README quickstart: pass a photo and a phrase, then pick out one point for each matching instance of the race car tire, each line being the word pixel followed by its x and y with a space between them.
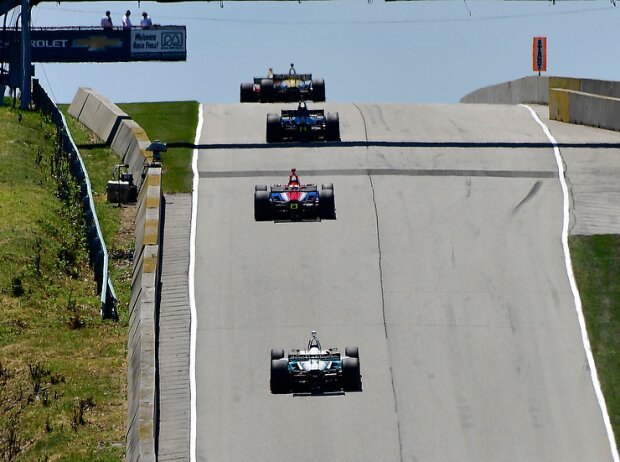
pixel 327 206
pixel 318 90
pixel 277 353
pixel 352 352
pixel 262 210
pixel 279 380
pixel 274 129
pixel 260 187
pixel 351 380
pixel 327 186
pixel 332 127
pixel 246 93
pixel 267 90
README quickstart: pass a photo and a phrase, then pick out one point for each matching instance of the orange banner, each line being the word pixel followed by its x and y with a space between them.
pixel 539 54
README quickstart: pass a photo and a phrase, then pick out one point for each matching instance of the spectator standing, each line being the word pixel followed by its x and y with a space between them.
pixel 106 21
pixel 146 22
pixel 126 20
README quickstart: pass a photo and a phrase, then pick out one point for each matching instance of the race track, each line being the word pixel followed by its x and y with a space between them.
pixel 445 266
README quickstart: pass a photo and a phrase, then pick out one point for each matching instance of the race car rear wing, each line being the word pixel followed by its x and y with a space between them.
pixel 278 188
pixel 280 77
pixel 310 112
pixel 292 76
pixel 307 357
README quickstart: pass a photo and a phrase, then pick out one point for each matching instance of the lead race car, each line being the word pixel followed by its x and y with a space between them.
pixel 294 201
pixel 282 88
pixel 315 370
pixel 303 124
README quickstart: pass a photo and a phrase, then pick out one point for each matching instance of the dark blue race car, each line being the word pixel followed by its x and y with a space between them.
pixel 303 124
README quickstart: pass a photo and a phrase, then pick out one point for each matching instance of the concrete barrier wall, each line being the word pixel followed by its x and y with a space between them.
pixel 581 101
pixel 600 87
pixel 558 105
pixel 98 113
pixel 129 141
pixel 76 106
pixel 584 108
pixel 533 89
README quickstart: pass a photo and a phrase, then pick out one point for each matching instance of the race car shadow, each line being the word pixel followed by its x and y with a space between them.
pixel 319 393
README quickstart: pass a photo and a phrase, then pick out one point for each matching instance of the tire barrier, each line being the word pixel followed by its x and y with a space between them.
pixel 96 244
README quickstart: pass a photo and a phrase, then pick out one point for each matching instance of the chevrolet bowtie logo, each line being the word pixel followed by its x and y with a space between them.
pixel 97 43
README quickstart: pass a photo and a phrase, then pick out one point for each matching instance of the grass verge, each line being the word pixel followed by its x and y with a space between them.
pixel 596 261
pixel 62 369
pixel 173 123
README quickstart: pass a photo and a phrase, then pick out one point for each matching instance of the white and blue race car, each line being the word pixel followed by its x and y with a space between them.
pixel 315 370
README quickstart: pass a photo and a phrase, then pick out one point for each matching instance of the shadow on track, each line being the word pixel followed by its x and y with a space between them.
pixel 395 144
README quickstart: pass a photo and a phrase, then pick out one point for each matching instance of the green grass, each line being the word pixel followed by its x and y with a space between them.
pixel 596 261
pixel 55 351
pixel 170 122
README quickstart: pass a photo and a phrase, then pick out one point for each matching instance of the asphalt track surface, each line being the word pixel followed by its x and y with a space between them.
pixel 445 266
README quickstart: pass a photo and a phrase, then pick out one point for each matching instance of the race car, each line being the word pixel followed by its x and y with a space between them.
pixel 303 124
pixel 294 201
pixel 315 370
pixel 282 88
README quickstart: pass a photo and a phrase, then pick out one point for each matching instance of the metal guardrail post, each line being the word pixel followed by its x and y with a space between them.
pixel 97 250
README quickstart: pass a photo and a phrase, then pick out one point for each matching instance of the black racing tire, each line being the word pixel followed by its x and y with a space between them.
pixel 280 381
pixel 318 90
pixel 327 204
pixel 327 186
pixel 246 93
pixel 274 128
pixel 262 207
pixel 332 127
pixel 352 352
pixel 267 91
pixel 260 187
pixel 277 353
pixel 351 379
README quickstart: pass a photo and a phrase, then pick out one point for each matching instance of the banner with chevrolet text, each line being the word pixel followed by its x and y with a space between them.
pixel 87 44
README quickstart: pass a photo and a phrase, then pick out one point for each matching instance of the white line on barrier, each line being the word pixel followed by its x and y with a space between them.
pixel 573 285
pixel 192 299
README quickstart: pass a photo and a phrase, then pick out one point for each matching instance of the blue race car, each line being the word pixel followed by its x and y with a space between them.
pixel 294 201
pixel 315 370
pixel 303 124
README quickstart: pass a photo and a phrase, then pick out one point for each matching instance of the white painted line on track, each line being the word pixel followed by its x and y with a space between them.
pixel 192 298
pixel 573 285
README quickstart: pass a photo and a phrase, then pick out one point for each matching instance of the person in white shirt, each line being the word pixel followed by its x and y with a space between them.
pixel 146 22
pixel 126 20
pixel 106 21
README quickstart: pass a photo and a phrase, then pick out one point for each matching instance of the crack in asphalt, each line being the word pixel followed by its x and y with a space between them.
pixel 374 202
pixel 363 120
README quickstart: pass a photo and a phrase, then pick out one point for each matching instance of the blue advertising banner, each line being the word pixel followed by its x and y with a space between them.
pixel 80 45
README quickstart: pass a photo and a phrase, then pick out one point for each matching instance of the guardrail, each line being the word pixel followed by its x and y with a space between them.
pixel 129 141
pixel 98 252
